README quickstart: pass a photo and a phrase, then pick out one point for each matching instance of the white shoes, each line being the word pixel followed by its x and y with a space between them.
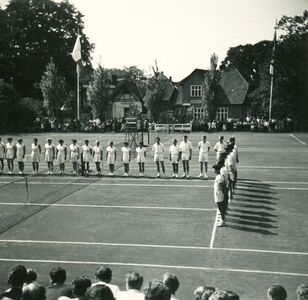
pixel 125 175
pixel 184 175
pixel 205 176
pixel 141 175
pixel 200 175
pixel 158 175
pixel 176 176
pixel 221 224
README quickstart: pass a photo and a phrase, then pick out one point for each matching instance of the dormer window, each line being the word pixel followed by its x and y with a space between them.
pixel 196 90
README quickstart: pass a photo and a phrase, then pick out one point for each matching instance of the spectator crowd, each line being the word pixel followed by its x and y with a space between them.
pixel 25 285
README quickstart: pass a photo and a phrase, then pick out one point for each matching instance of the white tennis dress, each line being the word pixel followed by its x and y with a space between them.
pixel 125 154
pixel 2 150
pixel 9 150
pixel 20 152
pixel 61 153
pixel 174 152
pixel 35 153
pixel 49 152
pixel 110 155
pixel 74 151
pixel 97 150
pixel 86 153
pixel 140 154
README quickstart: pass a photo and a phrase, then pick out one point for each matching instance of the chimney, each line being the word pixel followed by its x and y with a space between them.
pixel 170 78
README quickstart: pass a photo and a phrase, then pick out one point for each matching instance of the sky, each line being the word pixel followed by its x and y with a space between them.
pixel 180 34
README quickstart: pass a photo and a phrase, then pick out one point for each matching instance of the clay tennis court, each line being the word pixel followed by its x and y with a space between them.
pixel 156 225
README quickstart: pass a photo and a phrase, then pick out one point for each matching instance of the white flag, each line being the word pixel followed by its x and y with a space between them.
pixel 76 54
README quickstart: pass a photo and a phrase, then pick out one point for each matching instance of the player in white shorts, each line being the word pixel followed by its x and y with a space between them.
pixel 141 154
pixel 159 149
pixel 125 158
pixel 236 159
pixel 98 157
pixel 219 147
pixel 35 155
pixel 2 152
pixel 204 148
pixel 49 155
pixel 74 155
pixel 61 154
pixel 111 157
pixel 174 152
pixel 20 155
pixel 185 154
pixel 86 156
pixel 10 153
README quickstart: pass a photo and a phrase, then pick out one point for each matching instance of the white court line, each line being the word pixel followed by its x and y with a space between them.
pixel 299 140
pixel 151 266
pixel 106 206
pixel 137 185
pixel 150 246
pixel 214 231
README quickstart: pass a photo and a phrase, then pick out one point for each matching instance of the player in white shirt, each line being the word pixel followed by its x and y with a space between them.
pixel 174 152
pixel 86 156
pixel 185 154
pixel 133 291
pixel 219 147
pixel 98 157
pixel 49 155
pixel 125 158
pixel 20 155
pixel 236 159
pixel 74 155
pixel 2 153
pixel 159 149
pixel 204 148
pixel 141 154
pixel 35 155
pixel 10 153
pixel 111 157
pixel 61 154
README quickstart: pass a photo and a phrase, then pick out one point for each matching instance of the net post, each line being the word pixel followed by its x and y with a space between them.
pixel 27 190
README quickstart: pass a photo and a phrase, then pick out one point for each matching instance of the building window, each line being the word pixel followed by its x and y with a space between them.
pixel 196 90
pixel 221 113
pixel 198 113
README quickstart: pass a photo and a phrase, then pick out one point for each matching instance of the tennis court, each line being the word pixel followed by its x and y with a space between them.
pixel 154 225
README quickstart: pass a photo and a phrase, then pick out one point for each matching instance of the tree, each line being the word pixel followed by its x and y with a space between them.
pixel 35 31
pixel 54 91
pixel 154 96
pixel 98 94
pixel 210 84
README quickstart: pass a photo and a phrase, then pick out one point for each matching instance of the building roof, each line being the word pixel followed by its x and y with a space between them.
pixel 200 71
pixel 232 88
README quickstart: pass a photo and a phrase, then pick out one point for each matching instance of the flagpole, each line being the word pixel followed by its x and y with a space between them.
pixel 78 100
pixel 271 98
pixel 272 75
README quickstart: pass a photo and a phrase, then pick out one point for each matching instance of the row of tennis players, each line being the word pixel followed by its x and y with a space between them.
pixel 86 153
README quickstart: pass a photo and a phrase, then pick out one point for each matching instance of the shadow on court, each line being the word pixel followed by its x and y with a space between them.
pixel 246 214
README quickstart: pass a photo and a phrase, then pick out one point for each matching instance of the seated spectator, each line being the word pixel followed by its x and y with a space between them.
pixel 233 296
pixel 219 295
pixel 16 278
pixel 302 292
pixel 34 291
pixel 134 283
pixel 31 276
pixel 103 276
pixel 57 287
pixel 100 292
pixel 276 292
pixel 172 283
pixel 80 286
pixel 156 290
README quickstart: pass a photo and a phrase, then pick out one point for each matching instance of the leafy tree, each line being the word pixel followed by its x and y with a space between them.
pixel 54 91
pixel 35 31
pixel 98 94
pixel 154 96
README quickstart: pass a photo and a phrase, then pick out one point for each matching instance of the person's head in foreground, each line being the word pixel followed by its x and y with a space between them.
pixel 219 295
pixel 207 293
pixel 100 292
pixel 80 286
pixel 57 275
pixel 134 281
pixel 156 290
pixel 276 292
pixel 302 292
pixel 200 290
pixel 233 296
pixel 31 276
pixel 34 291
pixel 171 282
pixel 104 274
pixel 17 276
